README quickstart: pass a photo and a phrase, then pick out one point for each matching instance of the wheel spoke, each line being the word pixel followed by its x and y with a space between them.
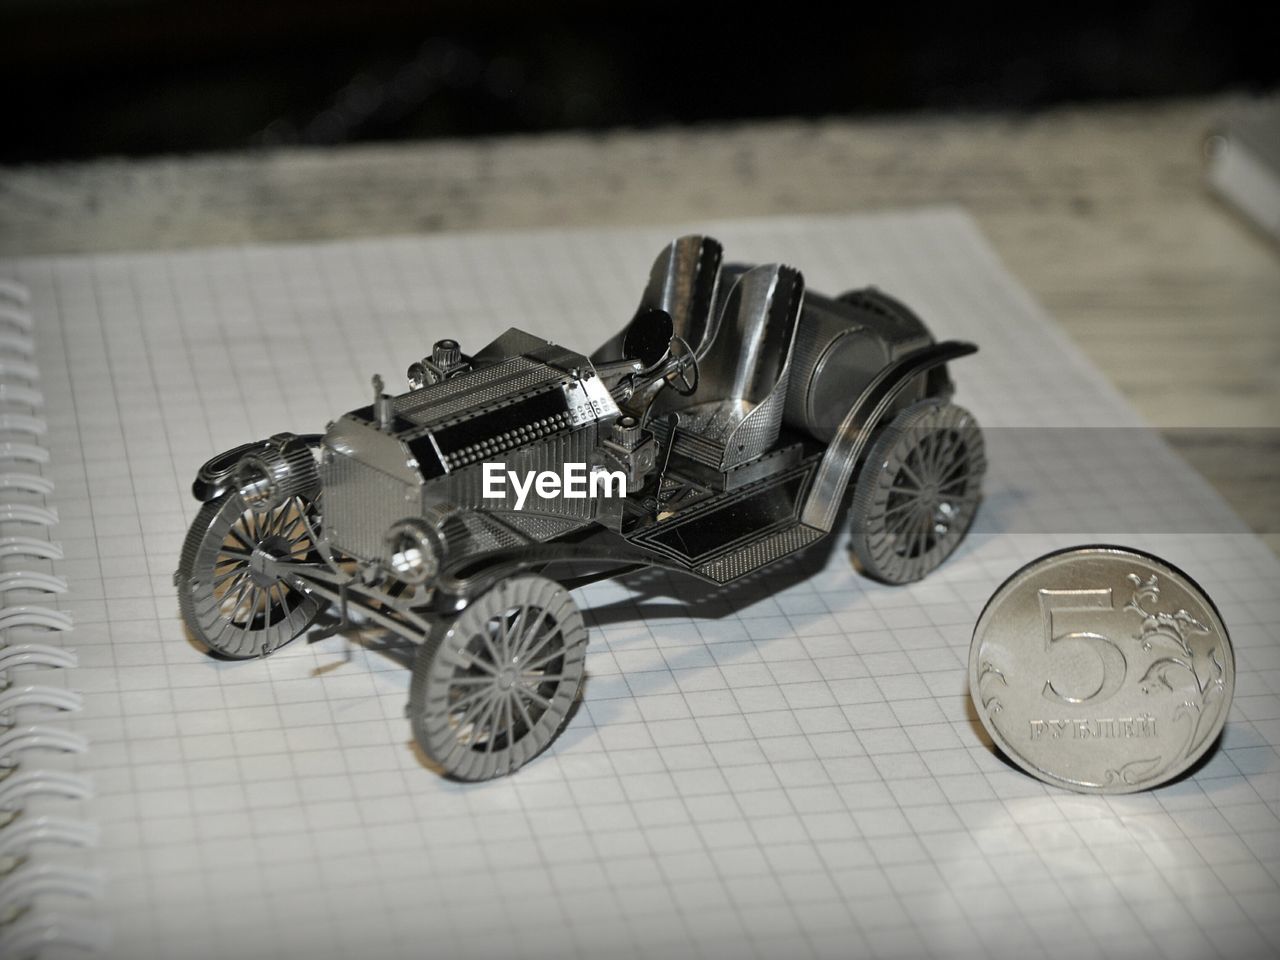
pixel 271 605
pixel 902 524
pixel 533 649
pixel 938 448
pixel 922 457
pixel 255 595
pixel 288 515
pixel 455 705
pixel 911 475
pixel 957 471
pixel 239 570
pixel 476 713
pixel 904 533
pixel 237 598
pixel 287 590
pixel 235 534
pixel 492 719
pixel 921 542
pixel 530 634
pixel 235 555
pixel 544 659
pixel 511 719
pixel 263 595
pixel 220 561
pixel 957 453
pixel 471 681
pixel 270 521
pixel 294 526
pixel 905 505
pixel 524 712
pixel 904 491
pixel 246 596
pixel 469 659
pixel 486 635
pixel 504 634
pixel 516 634
pixel 538 698
pixel 225 605
pixel 536 655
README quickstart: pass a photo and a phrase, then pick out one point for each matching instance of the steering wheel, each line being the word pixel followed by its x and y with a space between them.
pixel 684 378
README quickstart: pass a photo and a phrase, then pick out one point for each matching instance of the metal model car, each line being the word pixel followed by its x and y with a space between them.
pixel 739 409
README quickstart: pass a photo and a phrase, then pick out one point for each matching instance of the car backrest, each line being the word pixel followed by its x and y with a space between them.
pixel 743 371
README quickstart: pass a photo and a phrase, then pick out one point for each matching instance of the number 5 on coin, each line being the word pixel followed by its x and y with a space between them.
pixel 1113 663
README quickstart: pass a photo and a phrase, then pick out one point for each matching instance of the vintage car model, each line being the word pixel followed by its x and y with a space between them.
pixel 736 407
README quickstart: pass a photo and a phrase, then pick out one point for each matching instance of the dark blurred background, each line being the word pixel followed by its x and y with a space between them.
pixel 136 77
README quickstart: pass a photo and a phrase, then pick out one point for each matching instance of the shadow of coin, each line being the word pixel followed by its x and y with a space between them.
pixel 971 714
pixel 1196 767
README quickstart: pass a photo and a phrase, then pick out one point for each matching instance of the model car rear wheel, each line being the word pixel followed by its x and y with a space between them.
pixel 493 688
pixel 229 600
pixel 918 491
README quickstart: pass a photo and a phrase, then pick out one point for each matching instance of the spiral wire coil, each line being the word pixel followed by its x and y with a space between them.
pixel 46 890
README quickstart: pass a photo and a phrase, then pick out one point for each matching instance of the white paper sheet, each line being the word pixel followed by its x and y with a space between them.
pixel 790 768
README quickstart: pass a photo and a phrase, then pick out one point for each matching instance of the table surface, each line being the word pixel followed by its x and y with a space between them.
pixel 1101 212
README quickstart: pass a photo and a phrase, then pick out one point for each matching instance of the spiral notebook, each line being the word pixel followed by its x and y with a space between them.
pixel 787 770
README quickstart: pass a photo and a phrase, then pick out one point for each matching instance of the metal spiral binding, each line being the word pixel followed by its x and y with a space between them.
pixel 42 890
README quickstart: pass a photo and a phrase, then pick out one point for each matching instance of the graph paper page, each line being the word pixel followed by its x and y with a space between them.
pixel 786 768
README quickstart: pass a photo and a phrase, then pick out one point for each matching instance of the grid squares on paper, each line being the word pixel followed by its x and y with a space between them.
pixel 782 766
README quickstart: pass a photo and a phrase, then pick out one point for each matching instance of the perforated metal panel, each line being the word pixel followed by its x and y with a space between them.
pixel 757 432
pixel 756 555
pixel 465 487
pixel 539 526
pixel 471 390
pixel 360 503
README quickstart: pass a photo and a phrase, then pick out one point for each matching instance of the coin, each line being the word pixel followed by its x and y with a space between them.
pixel 1101 669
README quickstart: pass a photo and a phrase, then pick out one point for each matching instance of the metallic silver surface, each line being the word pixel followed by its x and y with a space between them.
pixel 438 401
pixel 1102 669
pixel 493 690
pixel 361 504
pixel 753 556
pixel 684 281
pixel 744 371
pixel 918 492
pixel 865 413
pixel 397 525
pixel 228 591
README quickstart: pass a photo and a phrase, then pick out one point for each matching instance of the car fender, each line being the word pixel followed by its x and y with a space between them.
pixel 859 424
pixel 214 477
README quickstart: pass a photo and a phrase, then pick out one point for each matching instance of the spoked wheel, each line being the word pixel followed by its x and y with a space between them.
pixel 492 689
pixel 229 601
pixel 918 491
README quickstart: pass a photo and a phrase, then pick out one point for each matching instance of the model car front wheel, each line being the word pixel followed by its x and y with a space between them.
pixel 493 688
pixel 918 491
pixel 229 598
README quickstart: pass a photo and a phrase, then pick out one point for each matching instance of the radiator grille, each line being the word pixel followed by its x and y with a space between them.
pixel 360 503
